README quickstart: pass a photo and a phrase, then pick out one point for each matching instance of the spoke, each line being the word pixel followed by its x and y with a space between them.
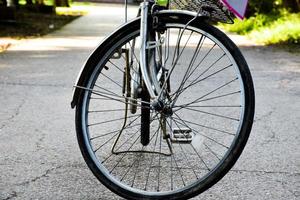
pixel 178 168
pixel 126 127
pixel 213 64
pixel 172 186
pixel 171 170
pixel 187 72
pixel 155 133
pixel 104 160
pixel 194 82
pixel 116 66
pixel 105 99
pixel 118 96
pixel 199 156
pixel 109 110
pixel 111 132
pixel 185 155
pixel 108 96
pixel 159 159
pixel 220 96
pixel 116 83
pixel 213 114
pixel 152 157
pixel 133 52
pixel 136 159
pixel 200 98
pixel 98 92
pixel 203 126
pixel 177 46
pixel 106 142
pixel 131 68
pixel 122 98
pixel 200 61
pixel 212 152
pixel 174 62
pixel 112 120
pixel 210 75
pixel 125 152
pixel 167 48
pixel 125 142
pixel 203 58
pixel 109 91
pixel 136 169
pixel 211 106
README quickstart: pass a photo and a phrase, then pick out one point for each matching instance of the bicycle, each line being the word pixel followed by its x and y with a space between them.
pixel 165 104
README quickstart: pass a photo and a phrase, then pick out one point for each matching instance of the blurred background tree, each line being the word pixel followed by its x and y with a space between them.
pixel 9 8
pixel 292 5
pixel 272 6
pixel 18 3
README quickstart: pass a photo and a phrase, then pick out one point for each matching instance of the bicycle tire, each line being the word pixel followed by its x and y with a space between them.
pixel 97 63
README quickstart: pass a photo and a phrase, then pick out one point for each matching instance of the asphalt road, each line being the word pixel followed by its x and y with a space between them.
pixel 39 155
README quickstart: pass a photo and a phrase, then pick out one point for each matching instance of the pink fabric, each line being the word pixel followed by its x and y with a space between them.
pixel 238 7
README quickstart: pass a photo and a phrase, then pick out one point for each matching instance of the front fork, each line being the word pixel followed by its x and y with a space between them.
pixel 149 72
pixel 149 79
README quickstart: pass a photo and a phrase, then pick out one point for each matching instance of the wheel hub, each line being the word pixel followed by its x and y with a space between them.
pixel 167 111
pixel 161 107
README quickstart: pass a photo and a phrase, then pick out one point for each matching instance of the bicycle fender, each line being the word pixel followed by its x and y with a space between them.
pixel 92 60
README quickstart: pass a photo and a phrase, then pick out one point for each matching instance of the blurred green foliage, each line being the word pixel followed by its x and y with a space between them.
pixel 270 22
pixel 285 29
pixel 17 3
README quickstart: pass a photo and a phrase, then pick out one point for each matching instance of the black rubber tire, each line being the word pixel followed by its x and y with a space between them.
pixel 215 175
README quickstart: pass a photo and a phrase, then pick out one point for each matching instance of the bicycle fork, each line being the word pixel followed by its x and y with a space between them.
pixel 151 46
pixel 150 79
pixel 143 35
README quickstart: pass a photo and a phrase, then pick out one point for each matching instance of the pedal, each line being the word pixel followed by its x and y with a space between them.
pixel 181 135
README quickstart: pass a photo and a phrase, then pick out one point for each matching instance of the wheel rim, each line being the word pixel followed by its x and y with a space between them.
pixel 152 169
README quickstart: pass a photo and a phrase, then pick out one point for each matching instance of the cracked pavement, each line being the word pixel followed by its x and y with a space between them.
pixel 39 155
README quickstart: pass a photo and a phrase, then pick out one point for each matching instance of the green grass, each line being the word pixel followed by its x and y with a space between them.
pixel 73 10
pixel 283 28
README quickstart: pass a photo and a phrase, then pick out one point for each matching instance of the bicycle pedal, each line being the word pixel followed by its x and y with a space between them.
pixel 181 135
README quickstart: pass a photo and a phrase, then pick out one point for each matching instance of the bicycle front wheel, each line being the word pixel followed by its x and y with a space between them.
pixel 192 145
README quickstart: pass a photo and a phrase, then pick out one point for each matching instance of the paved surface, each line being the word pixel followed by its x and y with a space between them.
pixel 39 155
